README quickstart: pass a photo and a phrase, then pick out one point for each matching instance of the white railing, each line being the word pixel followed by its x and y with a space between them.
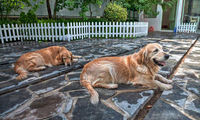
pixel 71 31
pixel 187 27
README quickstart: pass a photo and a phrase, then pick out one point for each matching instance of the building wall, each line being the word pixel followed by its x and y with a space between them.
pixel 155 22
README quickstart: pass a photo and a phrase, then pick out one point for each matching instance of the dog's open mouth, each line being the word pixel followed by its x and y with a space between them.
pixel 159 63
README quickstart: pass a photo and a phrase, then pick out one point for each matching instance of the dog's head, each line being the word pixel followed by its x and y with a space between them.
pixel 65 56
pixel 154 54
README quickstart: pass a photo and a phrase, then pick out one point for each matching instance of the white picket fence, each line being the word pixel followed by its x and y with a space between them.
pixel 187 27
pixel 70 31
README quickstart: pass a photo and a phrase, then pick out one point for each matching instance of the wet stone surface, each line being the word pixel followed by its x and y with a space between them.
pixel 132 102
pixel 176 95
pixel 48 85
pixel 163 111
pixel 11 101
pixel 56 93
pixel 40 108
pixel 71 86
pixel 193 86
pixel 84 110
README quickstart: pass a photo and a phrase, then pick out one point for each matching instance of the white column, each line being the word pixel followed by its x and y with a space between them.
pixel 179 12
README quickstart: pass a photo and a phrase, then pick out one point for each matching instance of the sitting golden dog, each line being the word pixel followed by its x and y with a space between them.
pixel 40 59
pixel 139 68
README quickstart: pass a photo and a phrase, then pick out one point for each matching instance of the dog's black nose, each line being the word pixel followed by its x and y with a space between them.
pixel 166 56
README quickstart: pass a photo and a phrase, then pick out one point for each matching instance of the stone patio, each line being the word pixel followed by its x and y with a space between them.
pixel 56 94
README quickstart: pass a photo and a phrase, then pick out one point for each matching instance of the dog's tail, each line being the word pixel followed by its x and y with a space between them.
pixel 21 71
pixel 93 93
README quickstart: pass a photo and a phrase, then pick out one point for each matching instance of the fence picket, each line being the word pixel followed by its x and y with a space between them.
pixel 106 30
pixel 95 29
pixel 45 31
pixel 88 29
pixel 99 29
pixel 113 29
pixel 1 35
pixel 13 32
pixel 52 32
pixel 92 29
pixel 9 33
pixel 63 29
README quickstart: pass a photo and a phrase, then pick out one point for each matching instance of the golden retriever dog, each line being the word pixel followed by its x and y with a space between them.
pixel 140 68
pixel 40 59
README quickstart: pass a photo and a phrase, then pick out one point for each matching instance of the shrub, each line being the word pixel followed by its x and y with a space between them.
pixel 22 17
pixel 114 12
pixel 30 17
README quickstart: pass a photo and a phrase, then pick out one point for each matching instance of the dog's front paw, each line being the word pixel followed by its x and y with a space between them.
pixel 167 87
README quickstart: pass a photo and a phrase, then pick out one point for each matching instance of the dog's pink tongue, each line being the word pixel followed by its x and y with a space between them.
pixel 162 63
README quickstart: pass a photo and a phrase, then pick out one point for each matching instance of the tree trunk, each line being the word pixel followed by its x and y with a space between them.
pixel 48 9
pixel 54 11
pixel 90 8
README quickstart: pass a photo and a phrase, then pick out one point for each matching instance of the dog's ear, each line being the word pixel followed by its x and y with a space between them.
pixel 143 55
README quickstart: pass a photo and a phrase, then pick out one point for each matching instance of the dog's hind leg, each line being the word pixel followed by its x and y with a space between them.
pixel 162 79
pixel 32 66
pixel 104 85
pixel 37 68
pixel 22 73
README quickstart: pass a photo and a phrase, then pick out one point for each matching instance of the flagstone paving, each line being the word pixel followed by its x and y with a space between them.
pixel 56 93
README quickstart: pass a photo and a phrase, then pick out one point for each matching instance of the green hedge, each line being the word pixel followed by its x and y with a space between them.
pixel 21 21
pixel 115 12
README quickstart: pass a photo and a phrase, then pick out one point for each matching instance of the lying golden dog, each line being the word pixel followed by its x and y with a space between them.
pixel 40 59
pixel 139 68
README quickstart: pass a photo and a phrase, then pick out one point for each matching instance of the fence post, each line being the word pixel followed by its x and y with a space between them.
pixel 49 37
pixel 56 32
pixel 84 29
pixel 29 31
pixel 109 29
pixel 131 31
pixel 17 30
pixel 120 29
pixel 72 30
pixel 117 31
pixel 35 28
pixel 1 35
pixel 106 30
pixel 89 30
pixel 52 30
pixel 32 35
pixel 81 29
pixel 95 29
pixel 9 32
pixel 59 32
pixel 5 32
pixel 45 31
pixel 124 29
pixel 13 31
pixel 42 30
pixel 63 29
pixel 92 29
pixel 113 29
pixel 102 29
pixel 76 27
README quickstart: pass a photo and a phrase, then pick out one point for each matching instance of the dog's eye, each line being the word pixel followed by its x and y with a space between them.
pixel 156 50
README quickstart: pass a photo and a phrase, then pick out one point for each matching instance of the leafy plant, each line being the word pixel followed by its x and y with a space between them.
pixel 6 6
pixel 30 17
pixel 114 12
pixel 85 6
pixel 148 6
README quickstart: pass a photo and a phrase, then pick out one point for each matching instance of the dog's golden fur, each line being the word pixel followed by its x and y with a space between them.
pixel 139 68
pixel 40 59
